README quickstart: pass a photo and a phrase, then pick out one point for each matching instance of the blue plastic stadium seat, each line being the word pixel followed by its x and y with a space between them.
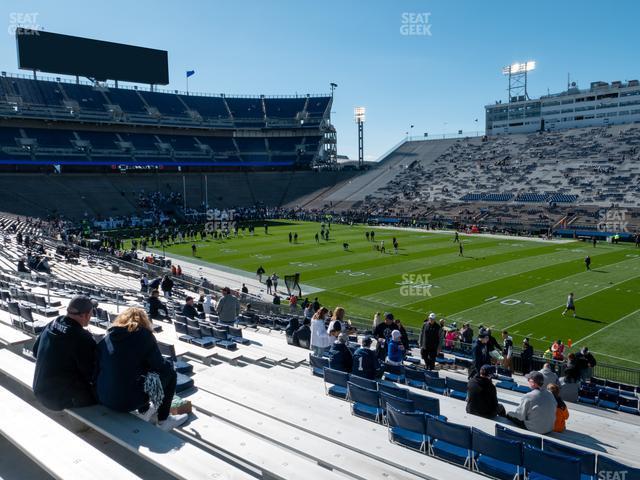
pixel 337 381
pixel 506 384
pixel 365 402
pixel 436 385
pixel 628 405
pixel 393 389
pixel 425 404
pixel 531 440
pixel 607 399
pixel 184 382
pixel 587 459
pixel 394 373
pixel 521 388
pixel 318 364
pixel 414 377
pixel 399 403
pixel 496 457
pixel 363 382
pixel 542 465
pixel 449 441
pixel 457 388
pixel 608 468
pixel 408 429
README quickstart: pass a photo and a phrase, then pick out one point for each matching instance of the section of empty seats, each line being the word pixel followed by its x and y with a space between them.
pixel 55 449
pixel 167 104
pixel 245 108
pixel 12 338
pixel 284 107
pixel 165 450
pixel 317 448
pixel 276 344
pixel 210 108
pixel 128 100
pixel 313 412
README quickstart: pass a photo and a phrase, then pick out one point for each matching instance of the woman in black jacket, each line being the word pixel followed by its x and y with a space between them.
pixel 131 371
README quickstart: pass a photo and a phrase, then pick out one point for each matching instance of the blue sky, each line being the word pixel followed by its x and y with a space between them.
pixel 438 82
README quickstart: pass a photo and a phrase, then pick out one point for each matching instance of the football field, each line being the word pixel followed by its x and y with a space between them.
pixel 513 284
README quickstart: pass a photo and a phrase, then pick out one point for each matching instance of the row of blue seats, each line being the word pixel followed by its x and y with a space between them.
pixel 52 138
pixel 46 93
pixel 414 421
pixel 609 398
pixel 506 455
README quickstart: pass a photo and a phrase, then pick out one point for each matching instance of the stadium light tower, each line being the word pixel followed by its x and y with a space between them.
pixel 359 115
pixel 517 73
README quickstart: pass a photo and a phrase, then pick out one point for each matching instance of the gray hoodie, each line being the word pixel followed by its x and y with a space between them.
pixel 538 410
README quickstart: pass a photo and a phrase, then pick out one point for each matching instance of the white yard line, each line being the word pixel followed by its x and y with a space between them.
pixel 607 326
pixel 564 279
pixel 471 235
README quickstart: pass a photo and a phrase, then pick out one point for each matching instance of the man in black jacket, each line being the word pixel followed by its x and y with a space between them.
pixel 482 398
pixel 302 336
pixel 65 359
pixel 189 310
pixel 155 305
pixel 429 341
pixel 480 353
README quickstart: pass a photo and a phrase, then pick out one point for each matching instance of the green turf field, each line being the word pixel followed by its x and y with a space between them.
pixel 515 284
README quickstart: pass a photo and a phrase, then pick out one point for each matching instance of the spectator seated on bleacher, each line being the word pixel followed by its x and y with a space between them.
pixel 188 310
pixel 340 357
pixel 537 409
pixel 228 307
pixel 549 375
pixel 132 374
pixel 365 361
pixel 562 412
pixel 156 305
pixel 292 326
pixel 65 359
pixel 21 266
pixel 482 398
pixel 302 336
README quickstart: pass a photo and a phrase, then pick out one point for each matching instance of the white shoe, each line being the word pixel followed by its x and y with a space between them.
pixel 173 421
pixel 147 416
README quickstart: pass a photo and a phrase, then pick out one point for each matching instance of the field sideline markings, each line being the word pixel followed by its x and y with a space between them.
pixel 607 326
pixel 563 279
pixel 613 356
pixel 543 285
pixel 564 304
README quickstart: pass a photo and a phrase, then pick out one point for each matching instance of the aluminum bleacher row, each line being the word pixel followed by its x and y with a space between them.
pixel 268 419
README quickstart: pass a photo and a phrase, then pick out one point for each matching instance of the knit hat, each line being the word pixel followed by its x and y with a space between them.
pixel 395 335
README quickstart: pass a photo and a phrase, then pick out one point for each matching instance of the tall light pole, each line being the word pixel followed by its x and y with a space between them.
pixel 359 114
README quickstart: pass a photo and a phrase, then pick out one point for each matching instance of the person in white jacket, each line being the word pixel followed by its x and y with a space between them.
pixel 320 338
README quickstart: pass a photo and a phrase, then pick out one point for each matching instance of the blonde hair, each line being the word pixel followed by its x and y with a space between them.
pixel 133 318
pixel 338 314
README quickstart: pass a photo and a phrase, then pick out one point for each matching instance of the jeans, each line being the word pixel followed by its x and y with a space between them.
pixel 429 357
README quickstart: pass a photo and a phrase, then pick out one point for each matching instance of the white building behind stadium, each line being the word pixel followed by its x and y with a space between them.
pixel 601 105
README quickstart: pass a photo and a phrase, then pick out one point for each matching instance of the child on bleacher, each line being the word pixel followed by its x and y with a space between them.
pixel 562 412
